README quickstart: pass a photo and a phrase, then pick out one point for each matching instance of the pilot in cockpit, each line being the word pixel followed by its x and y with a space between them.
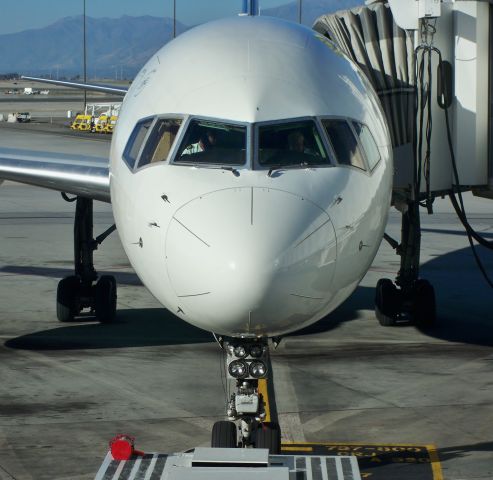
pixel 296 143
pixel 207 141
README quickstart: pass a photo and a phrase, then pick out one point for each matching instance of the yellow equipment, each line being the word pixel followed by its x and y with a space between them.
pixel 82 122
pixel 77 121
pixel 101 123
pixel 111 124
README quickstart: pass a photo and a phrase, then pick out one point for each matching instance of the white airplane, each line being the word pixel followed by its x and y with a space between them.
pixel 250 177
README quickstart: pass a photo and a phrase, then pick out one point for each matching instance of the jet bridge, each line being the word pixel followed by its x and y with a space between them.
pixel 430 62
pixel 382 37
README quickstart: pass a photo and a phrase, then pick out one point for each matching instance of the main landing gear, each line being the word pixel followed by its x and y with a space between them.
pixel 84 290
pixel 410 298
pixel 247 366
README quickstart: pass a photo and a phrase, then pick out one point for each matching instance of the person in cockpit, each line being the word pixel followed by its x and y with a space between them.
pixel 296 143
pixel 206 141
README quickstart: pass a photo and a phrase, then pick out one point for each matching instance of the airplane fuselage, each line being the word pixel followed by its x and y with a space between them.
pixel 255 247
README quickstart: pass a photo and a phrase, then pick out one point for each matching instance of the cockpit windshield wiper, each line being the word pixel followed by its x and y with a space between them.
pixel 233 170
pixel 275 168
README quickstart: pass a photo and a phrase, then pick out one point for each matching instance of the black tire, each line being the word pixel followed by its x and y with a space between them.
pixel 223 435
pixel 105 299
pixel 269 436
pixel 386 302
pixel 67 299
pixel 424 311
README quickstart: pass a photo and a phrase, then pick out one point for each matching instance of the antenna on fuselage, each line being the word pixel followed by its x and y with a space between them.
pixel 250 7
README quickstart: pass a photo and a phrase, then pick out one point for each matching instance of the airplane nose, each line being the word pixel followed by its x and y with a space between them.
pixel 251 260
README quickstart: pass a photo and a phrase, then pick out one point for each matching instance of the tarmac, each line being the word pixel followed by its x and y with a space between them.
pixel 66 390
pixel 53 107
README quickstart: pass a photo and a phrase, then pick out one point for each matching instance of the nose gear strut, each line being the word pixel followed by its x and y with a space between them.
pixel 247 362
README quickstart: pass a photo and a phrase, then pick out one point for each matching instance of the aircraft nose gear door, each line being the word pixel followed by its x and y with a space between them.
pixel 247 363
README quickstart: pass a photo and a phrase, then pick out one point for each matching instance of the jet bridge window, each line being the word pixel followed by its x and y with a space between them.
pixel 291 144
pixel 213 143
pixel 135 142
pixel 344 142
pixel 160 141
pixel 368 144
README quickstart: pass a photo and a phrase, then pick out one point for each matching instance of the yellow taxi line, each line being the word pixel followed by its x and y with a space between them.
pixel 263 390
pixel 436 466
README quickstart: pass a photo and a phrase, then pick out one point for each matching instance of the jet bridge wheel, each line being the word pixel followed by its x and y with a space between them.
pixel 105 299
pixel 387 302
pixel 224 435
pixel 424 305
pixel 269 436
pixel 67 298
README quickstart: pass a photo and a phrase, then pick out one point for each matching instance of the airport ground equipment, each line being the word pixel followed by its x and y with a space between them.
pixel 19 117
pixel 101 123
pixel 77 120
pixel 95 110
pixel 431 64
pixel 97 117
pixel 229 463
pixel 82 123
pixel 85 289
pixel 103 116
pixel 110 126
pixel 23 117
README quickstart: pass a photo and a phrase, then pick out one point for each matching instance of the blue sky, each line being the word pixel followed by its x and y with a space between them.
pixel 18 15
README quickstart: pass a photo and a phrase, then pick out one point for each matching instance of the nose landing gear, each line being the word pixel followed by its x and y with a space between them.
pixel 247 365
pixel 84 289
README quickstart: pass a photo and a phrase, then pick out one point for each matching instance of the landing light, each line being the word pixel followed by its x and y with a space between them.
pixel 240 351
pixel 238 369
pixel 256 351
pixel 258 369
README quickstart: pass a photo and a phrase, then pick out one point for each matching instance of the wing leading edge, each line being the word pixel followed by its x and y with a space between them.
pixel 81 86
pixel 81 175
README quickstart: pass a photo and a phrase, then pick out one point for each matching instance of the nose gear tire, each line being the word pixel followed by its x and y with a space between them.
pixel 224 435
pixel 269 436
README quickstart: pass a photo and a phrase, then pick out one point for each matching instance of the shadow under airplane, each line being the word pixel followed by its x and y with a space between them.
pixel 464 305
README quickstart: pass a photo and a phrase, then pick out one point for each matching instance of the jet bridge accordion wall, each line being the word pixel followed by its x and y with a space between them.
pixel 371 38
pixel 385 52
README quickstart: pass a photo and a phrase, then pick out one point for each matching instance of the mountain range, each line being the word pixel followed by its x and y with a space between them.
pixel 116 47
pixel 113 45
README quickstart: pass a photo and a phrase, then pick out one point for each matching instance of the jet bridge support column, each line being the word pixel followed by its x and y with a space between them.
pixel 409 249
pixel 410 298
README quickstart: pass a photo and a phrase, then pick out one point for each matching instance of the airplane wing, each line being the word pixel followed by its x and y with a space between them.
pixel 81 175
pixel 82 86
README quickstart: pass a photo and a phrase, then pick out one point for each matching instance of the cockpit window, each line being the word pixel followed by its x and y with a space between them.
pixel 344 143
pixel 368 144
pixel 291 143
pixel 135 142
pixel 213 143
pixel 160 141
